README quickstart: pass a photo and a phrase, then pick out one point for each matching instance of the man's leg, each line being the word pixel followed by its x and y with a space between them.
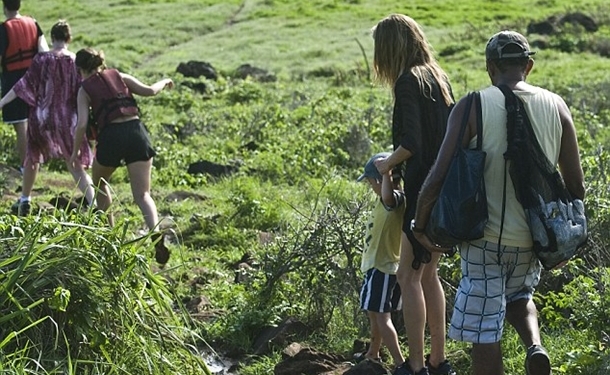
pixel 487 359
pixel 523 315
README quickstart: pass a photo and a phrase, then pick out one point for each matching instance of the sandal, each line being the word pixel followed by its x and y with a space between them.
pixel 537 361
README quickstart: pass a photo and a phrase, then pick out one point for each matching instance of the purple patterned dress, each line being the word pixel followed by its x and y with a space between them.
pixel 50 87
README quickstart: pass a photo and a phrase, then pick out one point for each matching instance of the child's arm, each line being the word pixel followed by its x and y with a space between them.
pixel 387 190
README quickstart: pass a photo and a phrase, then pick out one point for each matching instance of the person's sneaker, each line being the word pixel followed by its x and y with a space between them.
pixel 24 208
pixel 443 368
pixel 161 251
pixel 537 361
pixel 15 207
pixel 405 369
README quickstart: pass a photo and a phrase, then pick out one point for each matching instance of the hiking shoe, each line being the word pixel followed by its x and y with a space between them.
pixel 537 361
pixel 24 208
pixel 15 207
pixel 405 369
pixel 161 251
pixel 444 368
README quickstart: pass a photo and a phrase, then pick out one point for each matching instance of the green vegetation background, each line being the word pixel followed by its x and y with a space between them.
pixel 292 210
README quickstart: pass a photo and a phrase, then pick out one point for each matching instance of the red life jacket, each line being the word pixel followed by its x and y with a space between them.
pixel 110 97
pixel 22 36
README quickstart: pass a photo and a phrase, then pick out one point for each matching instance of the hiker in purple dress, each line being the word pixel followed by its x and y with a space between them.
pixel 49 87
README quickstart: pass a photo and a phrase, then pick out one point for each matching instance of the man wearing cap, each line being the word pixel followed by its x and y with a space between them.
pixel 499 273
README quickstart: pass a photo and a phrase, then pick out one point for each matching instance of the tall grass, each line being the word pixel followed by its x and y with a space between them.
pixel 79 298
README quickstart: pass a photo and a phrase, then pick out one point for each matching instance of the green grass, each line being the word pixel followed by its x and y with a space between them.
pixel 313 128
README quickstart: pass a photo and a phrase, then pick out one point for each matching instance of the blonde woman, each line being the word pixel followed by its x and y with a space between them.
pixel 422 101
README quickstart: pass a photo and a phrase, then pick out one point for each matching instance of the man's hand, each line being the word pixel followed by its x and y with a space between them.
pixel 426 242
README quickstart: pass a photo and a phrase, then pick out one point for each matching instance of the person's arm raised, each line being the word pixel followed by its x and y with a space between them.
pixel 142 89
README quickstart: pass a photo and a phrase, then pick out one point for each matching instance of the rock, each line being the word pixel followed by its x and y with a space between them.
pixel 367 368
pixel 261 75
pixel 299 359
pixel 578 18
pixel 181 195
pixel 213 169
pixel 196 69
pixel 290 329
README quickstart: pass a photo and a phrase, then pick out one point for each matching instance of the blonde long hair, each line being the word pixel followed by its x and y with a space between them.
pixel 401 46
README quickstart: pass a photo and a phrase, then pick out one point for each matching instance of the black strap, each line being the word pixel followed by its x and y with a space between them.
pixel 469 100
pixel 464 123
pixel 479 121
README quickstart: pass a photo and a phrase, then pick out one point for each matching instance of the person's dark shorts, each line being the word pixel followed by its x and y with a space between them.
pixel 17 110
pixel 380 292
pixel 125 142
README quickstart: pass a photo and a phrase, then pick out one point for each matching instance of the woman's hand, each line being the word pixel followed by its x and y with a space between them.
pixel 168 83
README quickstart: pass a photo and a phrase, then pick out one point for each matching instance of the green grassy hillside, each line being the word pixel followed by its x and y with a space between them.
pixel 281 236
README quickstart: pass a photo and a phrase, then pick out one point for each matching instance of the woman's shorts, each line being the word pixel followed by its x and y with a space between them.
pixel 380 292
pixel 489 281
pixel 124 142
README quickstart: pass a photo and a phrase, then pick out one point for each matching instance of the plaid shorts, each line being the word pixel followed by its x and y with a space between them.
pixel 380 292
pixel 490 280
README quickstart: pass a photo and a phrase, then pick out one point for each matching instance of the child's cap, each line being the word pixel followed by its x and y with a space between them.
pixel 370 170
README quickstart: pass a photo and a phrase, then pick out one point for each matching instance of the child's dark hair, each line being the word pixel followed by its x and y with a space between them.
pixel 89 59
pixel 12 5
pixel 61 31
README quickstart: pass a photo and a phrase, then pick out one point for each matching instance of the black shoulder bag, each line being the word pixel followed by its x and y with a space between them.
pixel 556 220
pixel 460 212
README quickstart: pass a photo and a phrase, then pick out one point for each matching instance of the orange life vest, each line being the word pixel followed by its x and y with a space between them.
pixel 22 36
pixel 110 97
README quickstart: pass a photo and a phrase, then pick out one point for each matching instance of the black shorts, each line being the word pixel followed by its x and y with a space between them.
pixel 124 142
pixel 17 110
pixel 380 292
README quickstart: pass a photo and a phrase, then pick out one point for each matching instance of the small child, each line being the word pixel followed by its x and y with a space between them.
pixel 380 292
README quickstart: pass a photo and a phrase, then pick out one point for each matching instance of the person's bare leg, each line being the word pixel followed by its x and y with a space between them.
pixel 523 315
pixel 84 181
pixel 409 280
pixel 21 129
pixel 487 359
pixel 375 344
pixel 388 335
pixel 30 171
pixel 436 309
pixel 101 176
pixel 139 178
